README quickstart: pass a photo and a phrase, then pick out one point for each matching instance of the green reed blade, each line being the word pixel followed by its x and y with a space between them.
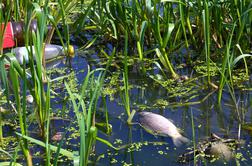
pixel 125 76
pixel 170 28
pixel 107 143
pixel 4 79
pixel 142 33
pixel 16 90
pixel 225 66
pixel 183 21
pixel 80 22
pixel 193 138
pixel 83 146
pixel 52 147
pixel 237 59
pixel 64 23
pixel 206 24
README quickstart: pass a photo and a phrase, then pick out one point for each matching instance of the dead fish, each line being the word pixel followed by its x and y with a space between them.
pixel 159 125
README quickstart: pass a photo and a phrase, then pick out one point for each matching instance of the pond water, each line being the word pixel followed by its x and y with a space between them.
pixel 146 94
pixel 149 95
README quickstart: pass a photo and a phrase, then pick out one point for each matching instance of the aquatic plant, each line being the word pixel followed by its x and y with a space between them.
pixel 193 139
pixel 4 17
pixel 34 42
pixel 86 117
pixel 125 98
pixel 21 109
pixel 151 30
pixel 206 22
pixel 3 83
pixel 167 27
pixel 230 60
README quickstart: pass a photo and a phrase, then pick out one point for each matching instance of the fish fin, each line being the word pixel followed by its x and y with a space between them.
pixel 178 141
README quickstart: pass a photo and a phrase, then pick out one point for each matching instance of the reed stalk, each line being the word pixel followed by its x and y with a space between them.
pixel 91 90
pixel 183 22
pixel 206 23
pixel 38 74
pixel 193 139
pixel 5 83
pixel 21 109
pixel 1 129
pixel 4 17
pixel 163 40
pixel 126 100
pixel 86 118
pixel 61 13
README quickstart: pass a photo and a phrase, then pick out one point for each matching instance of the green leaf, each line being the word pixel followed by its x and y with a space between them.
pixel 52 147
pixel 7 163
pixel 172 1
pixel 106 143
pixel 142 32
pixel 237 59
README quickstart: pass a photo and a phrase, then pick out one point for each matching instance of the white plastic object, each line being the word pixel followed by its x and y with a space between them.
pixel 51 51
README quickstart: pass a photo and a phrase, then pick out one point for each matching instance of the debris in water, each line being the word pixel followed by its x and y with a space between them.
pixel 58 136
pixel 29 99
pixel 213 147
pixel 221 151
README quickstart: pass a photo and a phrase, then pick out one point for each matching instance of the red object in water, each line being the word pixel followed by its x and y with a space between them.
pixel 13 35
pixel 8 38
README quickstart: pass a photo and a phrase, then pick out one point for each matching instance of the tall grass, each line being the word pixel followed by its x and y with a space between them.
pixel 207 32
pixel 86 117
pixel 38 72
pixel 85 107
pixel 160 26
pixel 4 17
pixel 230 59
pixel 36 86
pixel 21 109
pixel 163 37
pixel 125 98
pixel 5 84
pixel 34 42
pixel 63 11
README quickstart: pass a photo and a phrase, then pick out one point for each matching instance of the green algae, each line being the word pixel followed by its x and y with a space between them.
pixel 201 69
pixel 161 103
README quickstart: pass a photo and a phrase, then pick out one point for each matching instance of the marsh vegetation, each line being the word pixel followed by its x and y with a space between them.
pixel 189 61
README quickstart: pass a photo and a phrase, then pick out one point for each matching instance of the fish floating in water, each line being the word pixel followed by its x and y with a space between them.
pixel 159 125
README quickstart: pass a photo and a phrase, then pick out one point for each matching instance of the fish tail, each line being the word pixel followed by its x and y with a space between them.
pixel 178 141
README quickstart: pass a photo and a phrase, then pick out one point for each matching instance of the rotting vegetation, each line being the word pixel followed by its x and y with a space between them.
pixel 158 39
